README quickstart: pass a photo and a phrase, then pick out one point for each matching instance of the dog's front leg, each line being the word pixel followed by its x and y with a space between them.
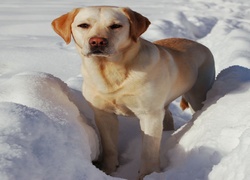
pixel 151 125
pixel 107 124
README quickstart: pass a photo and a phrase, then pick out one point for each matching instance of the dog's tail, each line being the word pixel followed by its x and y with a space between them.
pixel 184 104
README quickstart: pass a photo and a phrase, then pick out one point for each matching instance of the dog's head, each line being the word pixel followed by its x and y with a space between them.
pixel 101 31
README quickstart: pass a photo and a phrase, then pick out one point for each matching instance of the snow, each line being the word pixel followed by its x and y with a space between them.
pixel 41 129
pixel 216 134
pixel 47 129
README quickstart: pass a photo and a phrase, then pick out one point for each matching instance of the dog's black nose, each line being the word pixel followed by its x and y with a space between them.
pixel 98 42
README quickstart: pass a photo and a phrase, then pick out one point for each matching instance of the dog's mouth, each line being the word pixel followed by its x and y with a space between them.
pixel 99 52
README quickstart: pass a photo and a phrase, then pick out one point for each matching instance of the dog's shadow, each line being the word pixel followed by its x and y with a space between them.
pixel 232 80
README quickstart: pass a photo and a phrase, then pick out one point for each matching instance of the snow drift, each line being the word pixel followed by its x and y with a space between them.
pixel 42 133
pixel 216 136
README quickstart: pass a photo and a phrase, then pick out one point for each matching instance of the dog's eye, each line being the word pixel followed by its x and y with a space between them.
pixel 84 26
pixel 115 26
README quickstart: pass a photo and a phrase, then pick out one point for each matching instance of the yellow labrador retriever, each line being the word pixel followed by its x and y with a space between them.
pixel 127 75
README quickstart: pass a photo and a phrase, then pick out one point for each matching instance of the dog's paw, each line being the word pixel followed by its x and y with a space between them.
pixel 108 164
pixel 141 175
pixel 146 170
pixel 109 168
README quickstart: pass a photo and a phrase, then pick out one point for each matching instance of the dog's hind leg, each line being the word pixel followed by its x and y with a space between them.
pixel 168 122
pixel 197 94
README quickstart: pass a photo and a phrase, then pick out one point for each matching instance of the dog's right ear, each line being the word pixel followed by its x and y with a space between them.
pixel 62 25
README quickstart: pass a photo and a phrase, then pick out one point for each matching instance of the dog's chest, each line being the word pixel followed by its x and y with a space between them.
pixel 111 105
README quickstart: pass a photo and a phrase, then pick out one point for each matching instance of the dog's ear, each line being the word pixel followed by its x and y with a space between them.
pixel 138 23
pixel 62 25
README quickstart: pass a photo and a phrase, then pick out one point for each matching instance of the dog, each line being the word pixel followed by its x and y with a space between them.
pixel 125 74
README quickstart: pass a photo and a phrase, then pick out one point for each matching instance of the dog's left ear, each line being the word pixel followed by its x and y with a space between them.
pixel 138 23
pixel 62 25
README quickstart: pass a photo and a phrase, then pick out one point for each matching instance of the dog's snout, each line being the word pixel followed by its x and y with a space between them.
pixel 98 42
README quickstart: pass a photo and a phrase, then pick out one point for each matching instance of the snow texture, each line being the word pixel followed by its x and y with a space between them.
pixel 47 129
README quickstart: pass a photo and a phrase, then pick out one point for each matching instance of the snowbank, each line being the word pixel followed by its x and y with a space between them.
pixel 216 139
pixel 42 133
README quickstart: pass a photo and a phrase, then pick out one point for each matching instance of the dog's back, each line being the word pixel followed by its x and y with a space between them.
pixel 203 62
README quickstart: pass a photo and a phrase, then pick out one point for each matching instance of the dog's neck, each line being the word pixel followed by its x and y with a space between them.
pixel 108 74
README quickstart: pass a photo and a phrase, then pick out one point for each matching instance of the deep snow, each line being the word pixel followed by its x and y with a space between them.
pixel 47 129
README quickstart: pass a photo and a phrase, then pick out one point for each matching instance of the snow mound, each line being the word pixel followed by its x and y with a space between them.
pixel 42 132
pixel 178 25
pixel 216 136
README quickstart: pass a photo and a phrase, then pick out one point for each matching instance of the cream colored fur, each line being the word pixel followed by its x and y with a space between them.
pixel 127 75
